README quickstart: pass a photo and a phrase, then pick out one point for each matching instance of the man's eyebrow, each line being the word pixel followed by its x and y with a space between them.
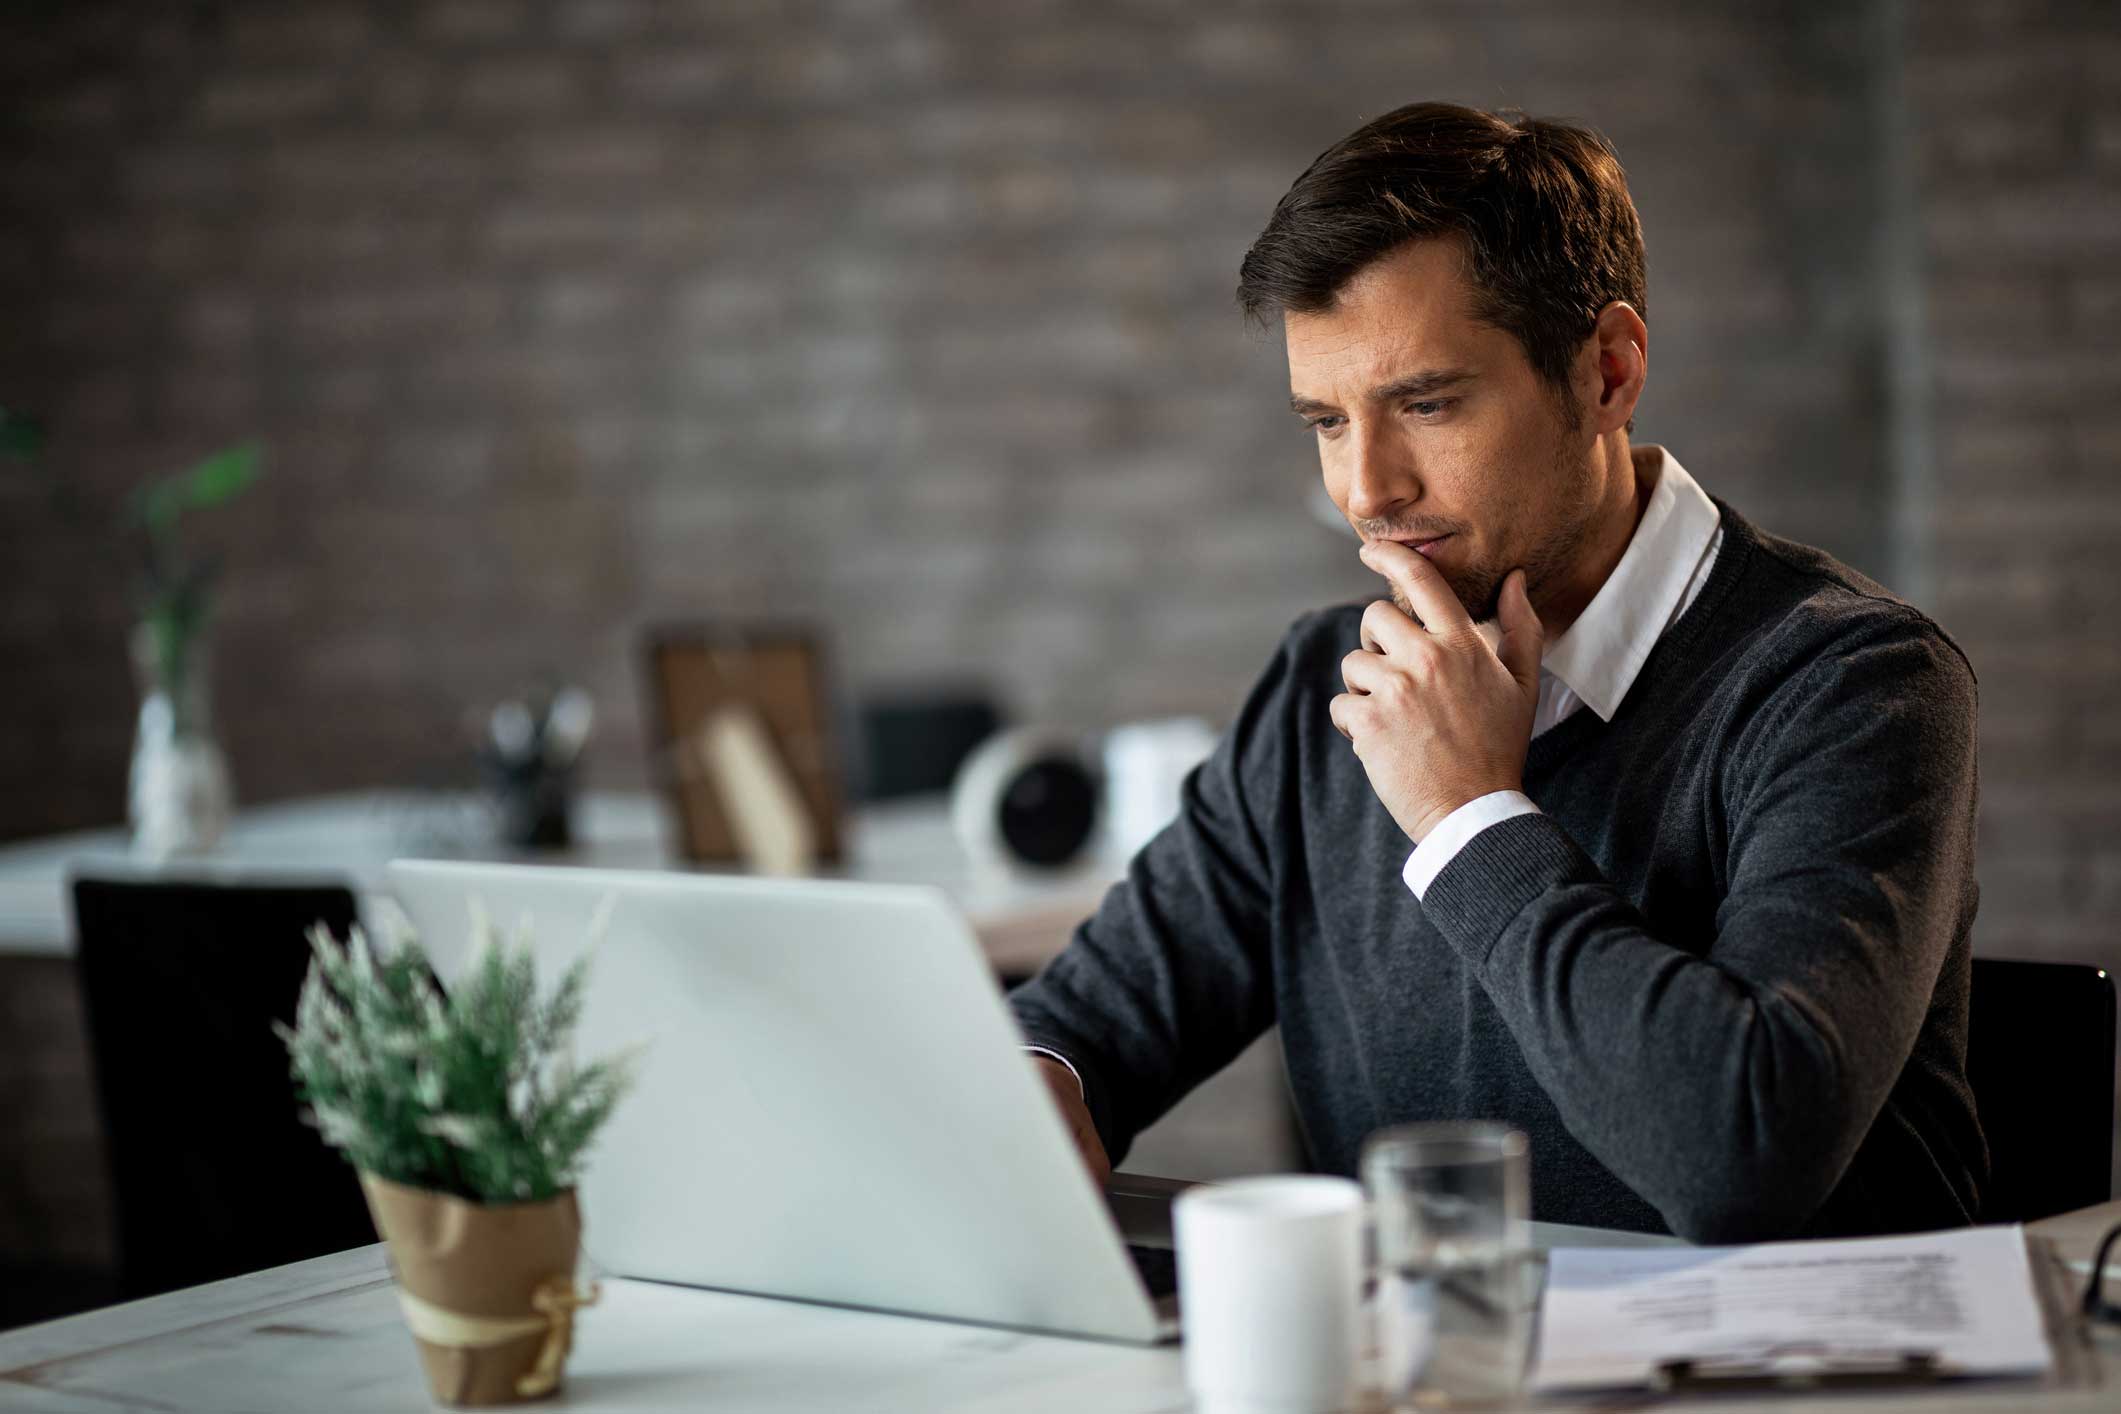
pixel 1414 385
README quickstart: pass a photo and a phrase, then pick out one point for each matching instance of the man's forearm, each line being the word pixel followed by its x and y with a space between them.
pixel 1729 1086
pixel 1114 1005
pixel 1171 978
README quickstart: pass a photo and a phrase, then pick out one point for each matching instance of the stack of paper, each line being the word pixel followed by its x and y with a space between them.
pixel 1965 1299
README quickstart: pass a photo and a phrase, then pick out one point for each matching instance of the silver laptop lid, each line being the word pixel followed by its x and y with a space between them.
pixel 832 1105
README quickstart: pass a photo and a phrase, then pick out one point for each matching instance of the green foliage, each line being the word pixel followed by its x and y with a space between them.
pixel 20 437
pixel 178 593
pixel 219 478
pixel 474 1094
pixel 180 589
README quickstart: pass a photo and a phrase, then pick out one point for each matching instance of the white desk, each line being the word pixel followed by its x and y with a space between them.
pixel 1022 919
pixel 326 1335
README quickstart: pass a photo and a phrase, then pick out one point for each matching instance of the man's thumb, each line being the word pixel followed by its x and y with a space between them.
pixel 1522 635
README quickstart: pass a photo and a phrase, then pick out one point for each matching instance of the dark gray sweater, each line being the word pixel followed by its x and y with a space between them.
pixel 1721 981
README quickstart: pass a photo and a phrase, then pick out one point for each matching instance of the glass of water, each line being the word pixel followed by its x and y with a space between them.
pixel 1455 1281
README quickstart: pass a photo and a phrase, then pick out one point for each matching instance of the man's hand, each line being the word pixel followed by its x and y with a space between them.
pixel 1068 1096
pixel 1436 716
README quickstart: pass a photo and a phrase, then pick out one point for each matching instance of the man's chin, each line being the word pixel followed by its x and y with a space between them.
pixel 1482 601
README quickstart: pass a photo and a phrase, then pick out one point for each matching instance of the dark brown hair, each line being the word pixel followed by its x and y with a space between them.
pixel 1550 232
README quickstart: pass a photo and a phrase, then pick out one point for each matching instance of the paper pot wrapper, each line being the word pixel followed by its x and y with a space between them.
pixel 487 1289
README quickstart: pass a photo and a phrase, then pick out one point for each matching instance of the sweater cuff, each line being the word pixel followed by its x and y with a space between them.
pixel 1476 896
pixel 1442 844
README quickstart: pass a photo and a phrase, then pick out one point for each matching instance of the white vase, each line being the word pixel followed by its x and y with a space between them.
pixel 178 798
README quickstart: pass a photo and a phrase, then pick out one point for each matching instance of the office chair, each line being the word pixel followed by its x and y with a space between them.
pixel 212 1169
pixel 2040 1059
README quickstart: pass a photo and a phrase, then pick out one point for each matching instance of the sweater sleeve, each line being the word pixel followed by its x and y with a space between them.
pixel 1171 977
pixel 1729 1080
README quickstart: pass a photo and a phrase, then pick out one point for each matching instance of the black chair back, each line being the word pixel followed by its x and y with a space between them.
pixel 2040 1059
pixel 213 1171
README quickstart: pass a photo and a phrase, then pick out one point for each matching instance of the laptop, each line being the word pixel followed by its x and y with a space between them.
pixel 832 1104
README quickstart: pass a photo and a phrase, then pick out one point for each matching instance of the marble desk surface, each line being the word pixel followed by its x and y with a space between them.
pixel 326 1335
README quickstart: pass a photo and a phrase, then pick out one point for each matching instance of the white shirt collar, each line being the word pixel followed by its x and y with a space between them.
pixel 1601 654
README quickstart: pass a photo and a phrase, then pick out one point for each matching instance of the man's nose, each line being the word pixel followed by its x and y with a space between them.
pixel 1381 479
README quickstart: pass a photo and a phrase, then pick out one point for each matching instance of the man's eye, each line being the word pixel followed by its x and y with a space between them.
pixel 1429 408
pixel 1329 423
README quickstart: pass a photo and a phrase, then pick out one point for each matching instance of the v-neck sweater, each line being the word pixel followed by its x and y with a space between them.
pixel 1720 979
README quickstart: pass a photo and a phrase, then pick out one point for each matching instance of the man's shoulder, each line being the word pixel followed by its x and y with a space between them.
pixel 1799 610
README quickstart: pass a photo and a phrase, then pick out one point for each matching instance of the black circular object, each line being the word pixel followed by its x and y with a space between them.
pixel 1047 811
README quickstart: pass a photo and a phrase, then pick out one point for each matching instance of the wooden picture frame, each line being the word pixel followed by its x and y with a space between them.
pixel 693 671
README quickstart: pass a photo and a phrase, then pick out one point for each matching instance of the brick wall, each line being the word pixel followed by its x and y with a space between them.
pixel 559 319
pixel 2014 164
pixel 2017 165
pixel 912 318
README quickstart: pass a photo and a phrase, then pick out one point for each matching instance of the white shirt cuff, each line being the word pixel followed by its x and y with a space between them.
pixel 1441 845
pixel 1056 1055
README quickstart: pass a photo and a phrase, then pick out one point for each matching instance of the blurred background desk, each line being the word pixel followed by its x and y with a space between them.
pixel 56 1243
pixel 1021 919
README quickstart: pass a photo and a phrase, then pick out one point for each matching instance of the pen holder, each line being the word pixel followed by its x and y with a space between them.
pixel 532 802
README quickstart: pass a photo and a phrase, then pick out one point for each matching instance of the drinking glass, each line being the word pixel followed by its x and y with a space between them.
pixel 1451 1204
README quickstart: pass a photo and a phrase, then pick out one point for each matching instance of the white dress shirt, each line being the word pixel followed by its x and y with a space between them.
pixel 1596 661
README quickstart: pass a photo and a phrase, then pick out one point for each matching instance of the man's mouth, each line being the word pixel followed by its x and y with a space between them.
pixel 1424 545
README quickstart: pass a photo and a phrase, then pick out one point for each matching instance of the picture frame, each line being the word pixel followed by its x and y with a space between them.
pixel 692 672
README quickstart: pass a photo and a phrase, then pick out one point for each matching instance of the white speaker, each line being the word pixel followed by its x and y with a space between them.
pixel 1025 798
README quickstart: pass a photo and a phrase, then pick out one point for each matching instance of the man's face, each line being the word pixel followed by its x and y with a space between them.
pixel 1433 429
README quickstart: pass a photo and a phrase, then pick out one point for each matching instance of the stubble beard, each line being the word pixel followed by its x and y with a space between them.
pixel 1478 587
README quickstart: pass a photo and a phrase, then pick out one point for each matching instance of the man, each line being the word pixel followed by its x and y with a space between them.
pixel 1623 820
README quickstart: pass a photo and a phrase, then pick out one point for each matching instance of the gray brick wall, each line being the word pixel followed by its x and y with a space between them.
pixel 2019 182
pixel 915 319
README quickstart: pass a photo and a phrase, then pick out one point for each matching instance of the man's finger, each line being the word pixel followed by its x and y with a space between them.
pixel 1422 583
pixel 1523 636
pixel 1387 630
pixel 1363 672
pixel 1338 711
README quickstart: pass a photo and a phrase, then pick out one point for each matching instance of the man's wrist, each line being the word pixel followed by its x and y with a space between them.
pixel 1065 1064
pixel 1432 819
pixel 1440 844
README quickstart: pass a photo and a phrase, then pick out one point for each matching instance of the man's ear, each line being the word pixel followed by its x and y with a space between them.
pixel 1619 350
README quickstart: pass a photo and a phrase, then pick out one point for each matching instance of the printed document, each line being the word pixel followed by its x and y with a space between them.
pixel 1611 1316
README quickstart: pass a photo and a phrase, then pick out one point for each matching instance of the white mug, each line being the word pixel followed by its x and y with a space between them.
pixel 1270 1289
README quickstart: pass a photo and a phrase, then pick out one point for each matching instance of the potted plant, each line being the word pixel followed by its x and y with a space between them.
pixel 467 1122
pixel 178 796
